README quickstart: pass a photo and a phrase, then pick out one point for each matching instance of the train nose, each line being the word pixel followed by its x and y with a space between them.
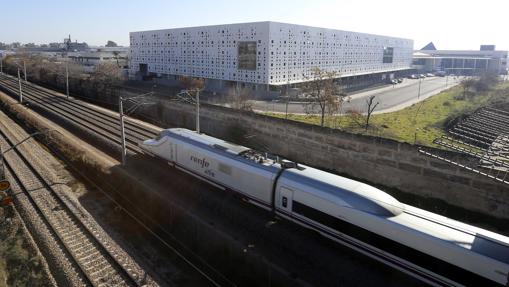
pixel 147 142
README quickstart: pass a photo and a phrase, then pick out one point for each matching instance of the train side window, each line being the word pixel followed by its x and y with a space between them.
pixel 284 202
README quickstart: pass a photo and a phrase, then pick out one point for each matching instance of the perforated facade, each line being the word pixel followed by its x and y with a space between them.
pixel 267 53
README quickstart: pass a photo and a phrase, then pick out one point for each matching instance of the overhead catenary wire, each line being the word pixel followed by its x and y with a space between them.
pixel 224 281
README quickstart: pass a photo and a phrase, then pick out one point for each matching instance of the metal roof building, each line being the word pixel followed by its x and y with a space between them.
pixel 461 62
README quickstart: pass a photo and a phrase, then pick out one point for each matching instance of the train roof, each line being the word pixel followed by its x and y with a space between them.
pixel 356 194
pixel 207 140
pixel 480 241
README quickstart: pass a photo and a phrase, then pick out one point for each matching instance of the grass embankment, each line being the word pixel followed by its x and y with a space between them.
pixel 421 122
pixel 19 263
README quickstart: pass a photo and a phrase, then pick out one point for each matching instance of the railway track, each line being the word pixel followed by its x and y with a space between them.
pixel 83 246
pixel 106 125
pixel 101 123
pixel 46 98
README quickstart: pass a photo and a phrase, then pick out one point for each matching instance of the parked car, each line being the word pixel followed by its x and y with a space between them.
pixel 430 75
pixel 400 80
pixel 422 76
pixel 440 74
pixel 413 76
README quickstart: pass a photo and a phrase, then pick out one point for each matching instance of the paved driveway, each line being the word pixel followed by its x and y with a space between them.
pixel 391 98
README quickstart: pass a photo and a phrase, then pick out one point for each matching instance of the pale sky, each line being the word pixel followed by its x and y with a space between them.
pixel 450 24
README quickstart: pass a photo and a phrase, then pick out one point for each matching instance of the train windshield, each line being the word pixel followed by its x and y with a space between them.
pixel 162 134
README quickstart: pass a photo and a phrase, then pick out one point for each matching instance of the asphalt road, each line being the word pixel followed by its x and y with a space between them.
pixel 390 98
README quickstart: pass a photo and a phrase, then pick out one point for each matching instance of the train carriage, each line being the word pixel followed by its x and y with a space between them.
pixel 433 248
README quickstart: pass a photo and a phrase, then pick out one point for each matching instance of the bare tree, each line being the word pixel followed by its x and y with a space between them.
pixel 370 109
pixel 322 91
pixel 115 55
pixel 105 78
pixel 192 84
pixel 238 98
pixel 467 84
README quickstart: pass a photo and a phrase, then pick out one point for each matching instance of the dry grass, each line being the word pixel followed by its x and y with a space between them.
pixel 420 123
pixel 19 263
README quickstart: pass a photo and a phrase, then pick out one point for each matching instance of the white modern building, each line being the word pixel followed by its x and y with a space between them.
pixel 266 54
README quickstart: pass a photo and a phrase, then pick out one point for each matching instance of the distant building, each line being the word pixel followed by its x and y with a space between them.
pixel 4 53
pixel 95 55
pixel 266 55
pixel 461 62
pixel 71 46
pixel 80 53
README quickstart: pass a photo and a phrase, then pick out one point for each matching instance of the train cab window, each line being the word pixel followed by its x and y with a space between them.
pixel 284 202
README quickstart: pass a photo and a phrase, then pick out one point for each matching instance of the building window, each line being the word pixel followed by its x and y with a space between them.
pixel 246 56
pixel 388 55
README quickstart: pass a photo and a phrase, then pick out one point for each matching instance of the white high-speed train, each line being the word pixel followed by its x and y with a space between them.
pixel 437 250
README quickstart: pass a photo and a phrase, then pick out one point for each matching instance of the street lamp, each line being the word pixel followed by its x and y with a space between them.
pixel 136 105
pixel 2 152
pixel 415 135
pixel 23 140
pixel 419 91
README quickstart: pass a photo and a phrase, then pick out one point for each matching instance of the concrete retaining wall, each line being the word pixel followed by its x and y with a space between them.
pixel 381 161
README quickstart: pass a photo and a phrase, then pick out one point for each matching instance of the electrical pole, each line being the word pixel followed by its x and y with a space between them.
pixel 121 113
pixel 25 70
pixel 197 110
pixel 122 130
pixel 67 78
pixel 20 91
pixel 2 65
pixel 287 99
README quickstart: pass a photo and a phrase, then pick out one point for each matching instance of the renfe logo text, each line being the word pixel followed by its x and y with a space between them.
pixel 201 161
